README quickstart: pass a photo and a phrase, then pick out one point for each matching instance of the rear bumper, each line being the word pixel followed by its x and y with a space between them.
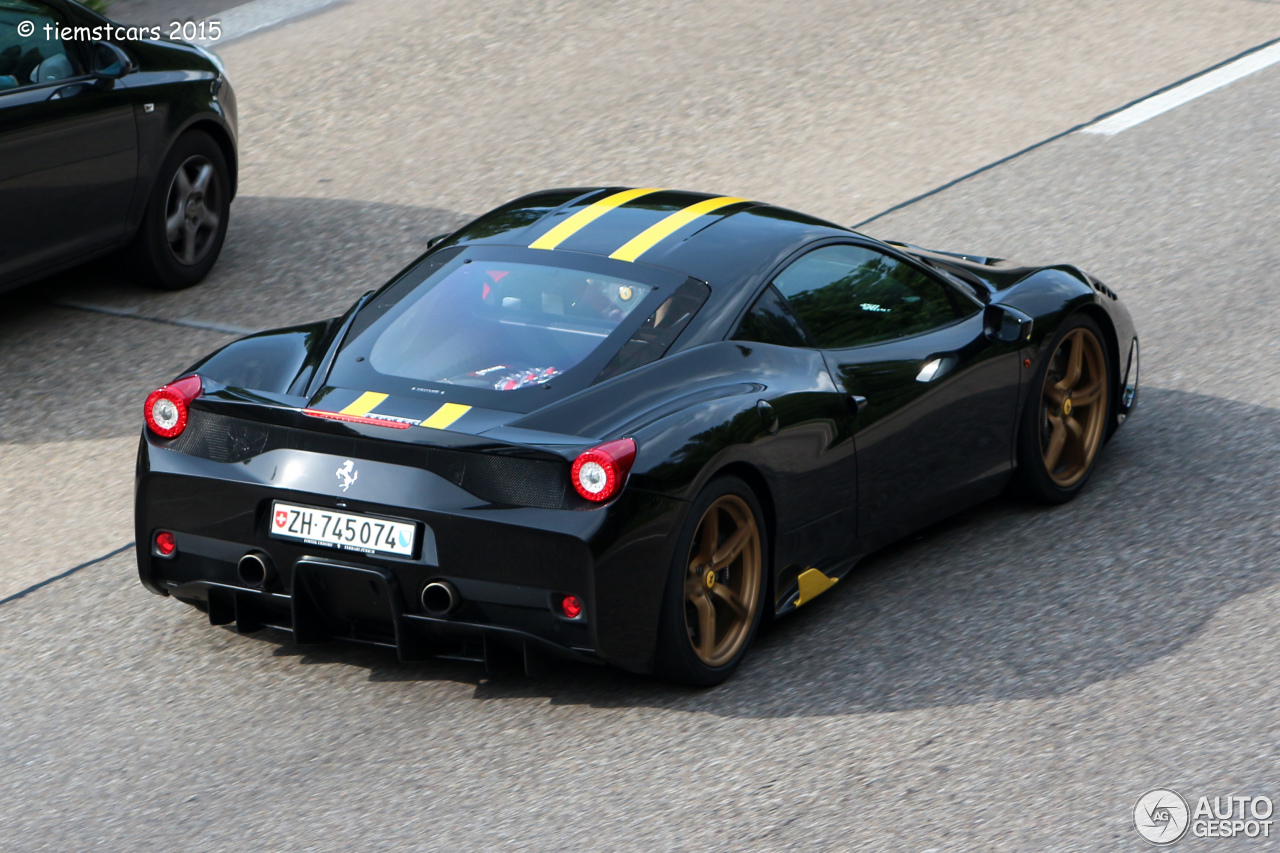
pixel 414 636
pixel 510 565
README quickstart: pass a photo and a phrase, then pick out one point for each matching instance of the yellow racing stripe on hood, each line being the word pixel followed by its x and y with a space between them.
pixel 364 404
pixel 648 238
pixel 586 216
pixel 445 416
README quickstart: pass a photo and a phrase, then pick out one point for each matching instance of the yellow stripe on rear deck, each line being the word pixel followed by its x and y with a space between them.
pixel 364 404
pixel 445 416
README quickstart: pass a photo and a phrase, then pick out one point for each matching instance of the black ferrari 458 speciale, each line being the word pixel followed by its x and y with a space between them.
pixel 620 425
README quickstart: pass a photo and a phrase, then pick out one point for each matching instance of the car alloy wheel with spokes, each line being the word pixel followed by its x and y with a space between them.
pixel 1073 407
pixel 716 586
pixel 1065 424
pixel 723 581
pixel 191 210
pixel 185 222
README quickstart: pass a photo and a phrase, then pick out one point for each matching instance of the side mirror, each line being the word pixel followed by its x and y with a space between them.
pixel 108 62
pixel 436 240
pixel 1006 325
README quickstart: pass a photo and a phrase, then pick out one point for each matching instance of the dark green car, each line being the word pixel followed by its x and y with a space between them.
pixel 111 138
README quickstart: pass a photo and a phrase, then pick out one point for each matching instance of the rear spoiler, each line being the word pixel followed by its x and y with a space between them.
pixel 981 260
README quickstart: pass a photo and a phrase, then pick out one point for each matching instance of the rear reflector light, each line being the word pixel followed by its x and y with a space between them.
pixel 165 544
pixel 571 606
pixel 599 473
pixel 356 419
pixel 166 408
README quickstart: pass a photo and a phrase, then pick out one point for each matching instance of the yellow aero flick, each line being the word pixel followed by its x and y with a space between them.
pixel 813 583
pixel 586 216
pixel 648 238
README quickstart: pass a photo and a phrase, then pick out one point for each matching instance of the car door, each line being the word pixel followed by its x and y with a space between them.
pixel 68 147
pixel 935 400
pixel 808 454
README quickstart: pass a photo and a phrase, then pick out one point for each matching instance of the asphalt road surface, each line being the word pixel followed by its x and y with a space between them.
pixel 1013 679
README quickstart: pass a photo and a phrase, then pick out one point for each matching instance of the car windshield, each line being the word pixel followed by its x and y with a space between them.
pixel 501 325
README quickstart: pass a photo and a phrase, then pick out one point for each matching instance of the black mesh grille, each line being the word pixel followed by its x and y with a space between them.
pixel 504 479
pixel 492 477
pixel 223 439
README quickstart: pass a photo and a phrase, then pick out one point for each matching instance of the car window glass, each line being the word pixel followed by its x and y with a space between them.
pixel 659 331
pixel 771 321
pixel 852 295
pixel 502 325
pixel 29 53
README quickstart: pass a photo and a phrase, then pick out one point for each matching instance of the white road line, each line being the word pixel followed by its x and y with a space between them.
pixel 132 314
pixel 240 21
pixel 1188 91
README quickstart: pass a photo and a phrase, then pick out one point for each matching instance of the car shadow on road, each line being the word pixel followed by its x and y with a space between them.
pixel 1009 601
pixel 286 261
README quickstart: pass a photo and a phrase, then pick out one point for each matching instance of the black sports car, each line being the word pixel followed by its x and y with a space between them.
pixel 620 425
pixel 109 140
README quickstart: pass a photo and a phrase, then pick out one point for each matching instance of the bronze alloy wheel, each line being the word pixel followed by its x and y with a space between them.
pixel 1073 407
pixel 722 585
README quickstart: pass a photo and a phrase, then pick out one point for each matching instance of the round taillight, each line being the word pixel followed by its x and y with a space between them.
pixel 599 473
pixel 166 408
pixel 571 606
pixel 165 544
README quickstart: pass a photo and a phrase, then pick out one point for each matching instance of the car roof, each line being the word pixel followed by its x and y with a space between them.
pixel 722 240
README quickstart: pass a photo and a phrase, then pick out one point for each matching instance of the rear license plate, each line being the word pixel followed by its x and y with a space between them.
pixel 344 530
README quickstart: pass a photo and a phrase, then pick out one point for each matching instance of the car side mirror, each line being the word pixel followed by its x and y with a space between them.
pixel 1006 325
pixel 108 62
pixel 436 240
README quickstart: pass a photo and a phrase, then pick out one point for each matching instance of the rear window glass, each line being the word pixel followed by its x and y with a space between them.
pixel 503 325
pixel 512 328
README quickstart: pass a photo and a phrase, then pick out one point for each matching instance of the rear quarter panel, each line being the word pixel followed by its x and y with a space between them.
pixel 272 361
pixel 698 415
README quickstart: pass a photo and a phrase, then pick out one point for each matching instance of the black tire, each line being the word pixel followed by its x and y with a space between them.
pixel 1042 411
pixel 677 658
pixel 155 257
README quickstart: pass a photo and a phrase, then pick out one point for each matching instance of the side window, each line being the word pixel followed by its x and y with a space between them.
pixel 30 54
pixel 656 335
pixel 851 295
pixel 771 321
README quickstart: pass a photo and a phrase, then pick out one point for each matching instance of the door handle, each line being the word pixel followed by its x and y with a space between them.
pixel 768 417
pixel 64 92
pixel 938 366
pixel 856 404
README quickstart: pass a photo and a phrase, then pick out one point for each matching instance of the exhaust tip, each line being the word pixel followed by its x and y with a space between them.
pixel 255 569
pixel 439 598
